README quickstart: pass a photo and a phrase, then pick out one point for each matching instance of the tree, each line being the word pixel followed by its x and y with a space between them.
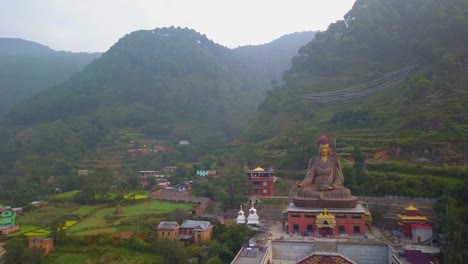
pixel 57 230
pixel 171 252
pixel 456 248
pixel 17 252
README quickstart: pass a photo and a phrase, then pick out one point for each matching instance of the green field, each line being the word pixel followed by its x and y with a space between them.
pixel 95 219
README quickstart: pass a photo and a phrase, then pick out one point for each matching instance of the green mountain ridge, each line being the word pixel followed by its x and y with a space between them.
pixel 373 81
pixel 27 68
pixel 164 83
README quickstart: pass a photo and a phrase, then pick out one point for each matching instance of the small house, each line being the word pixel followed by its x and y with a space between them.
pixel 197 232
pixel 45 244
pixel 168 230
pixel 202 173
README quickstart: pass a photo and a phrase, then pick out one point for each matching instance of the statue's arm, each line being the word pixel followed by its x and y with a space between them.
pixel 310 176
pixel 339 177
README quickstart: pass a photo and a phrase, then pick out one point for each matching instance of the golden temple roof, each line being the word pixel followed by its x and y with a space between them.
pixel 411 208
pixel 325 214
pixel 259 169
pixel 325 219
pixel 415 217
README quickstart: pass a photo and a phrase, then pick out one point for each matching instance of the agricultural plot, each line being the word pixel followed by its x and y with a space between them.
pixel 95 219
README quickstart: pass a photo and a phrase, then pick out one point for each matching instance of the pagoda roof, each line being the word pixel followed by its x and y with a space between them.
pixel 411 208
pixel 414 217
pixel 259 169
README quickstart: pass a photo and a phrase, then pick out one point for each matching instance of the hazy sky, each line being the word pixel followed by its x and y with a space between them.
pixel 95 25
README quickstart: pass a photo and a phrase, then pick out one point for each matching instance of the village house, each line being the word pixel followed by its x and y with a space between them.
pixel 5 230
pixel 82 172
pixel 168 230
pixel 184 142
pixel 161 148
pixel 197 232
pixel 191 231
pixel 170 169
pixel 202 173
pixel 140 151
pixel 45 244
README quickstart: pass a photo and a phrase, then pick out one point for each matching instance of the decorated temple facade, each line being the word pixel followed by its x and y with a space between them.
pixel 412 220
pixel 7 220
pixel 326 222
pixel 263 181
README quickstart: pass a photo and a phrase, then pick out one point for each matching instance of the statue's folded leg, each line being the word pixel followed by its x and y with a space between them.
pixel 309 192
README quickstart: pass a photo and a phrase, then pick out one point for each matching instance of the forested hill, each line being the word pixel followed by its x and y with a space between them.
pixel 269 61
pixel 392 76
pixel 167 83
pixel 27 67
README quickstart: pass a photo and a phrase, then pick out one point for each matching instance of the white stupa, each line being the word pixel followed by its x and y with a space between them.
pixel 252 219
pixel 241 217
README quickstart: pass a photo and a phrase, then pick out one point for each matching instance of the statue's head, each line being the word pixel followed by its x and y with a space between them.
pixel 324 144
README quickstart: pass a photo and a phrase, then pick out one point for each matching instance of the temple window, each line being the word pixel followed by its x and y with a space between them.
pixel 295 228
pixel 341 229
pixel 265 183
pixel 265 190
pixel 309 215
pixel 356 217
pixel 356 229
pixel 295 215
pixel 310 228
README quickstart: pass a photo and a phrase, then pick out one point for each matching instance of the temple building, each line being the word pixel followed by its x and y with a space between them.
pixel 413 225
pixel 263 181
pixel 7 220
pixel 326 222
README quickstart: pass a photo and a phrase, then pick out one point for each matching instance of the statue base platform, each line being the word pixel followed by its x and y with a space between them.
pixel 350 202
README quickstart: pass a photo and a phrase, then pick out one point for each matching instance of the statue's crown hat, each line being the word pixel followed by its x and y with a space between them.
pixel 324 139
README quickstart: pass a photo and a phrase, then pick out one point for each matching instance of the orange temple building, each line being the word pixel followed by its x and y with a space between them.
pixel 410 219
pixel 326 222
pixel 263 181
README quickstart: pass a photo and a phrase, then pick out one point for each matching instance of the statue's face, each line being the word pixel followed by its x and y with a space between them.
pixel 324 149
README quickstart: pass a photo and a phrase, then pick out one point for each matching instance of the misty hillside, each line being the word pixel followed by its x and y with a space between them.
pixel 27 67
pixel 168 83
pixel 272 59
pixel 16 46
pixel 391 77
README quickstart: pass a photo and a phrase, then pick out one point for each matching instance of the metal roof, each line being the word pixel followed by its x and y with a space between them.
pixel 168 225
pixel 193 224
